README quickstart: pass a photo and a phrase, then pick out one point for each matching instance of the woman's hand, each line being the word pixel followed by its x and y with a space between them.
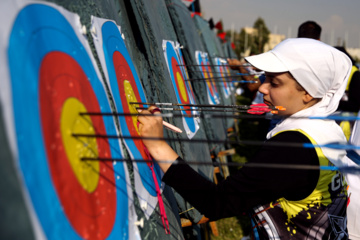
pixel 152 127
pixel 234 64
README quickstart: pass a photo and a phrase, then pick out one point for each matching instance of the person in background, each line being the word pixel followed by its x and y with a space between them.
pixel 309 29
pixel 250 89
pixel 351 99
pixel 283 202
pixel 350 102
pixel 350 105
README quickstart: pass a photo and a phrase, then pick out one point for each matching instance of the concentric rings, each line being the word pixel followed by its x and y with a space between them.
pixel 53 78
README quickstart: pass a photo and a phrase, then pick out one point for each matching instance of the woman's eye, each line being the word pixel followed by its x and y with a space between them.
pixel 273 84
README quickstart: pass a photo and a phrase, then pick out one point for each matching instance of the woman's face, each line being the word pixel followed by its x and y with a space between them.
pixel 281 89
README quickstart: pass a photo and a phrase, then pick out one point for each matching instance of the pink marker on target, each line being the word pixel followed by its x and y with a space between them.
pixel 172 127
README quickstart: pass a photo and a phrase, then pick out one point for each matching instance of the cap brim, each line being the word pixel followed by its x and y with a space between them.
pixel 267 62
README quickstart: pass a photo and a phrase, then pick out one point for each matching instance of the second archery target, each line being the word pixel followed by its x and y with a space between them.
pixel 126 88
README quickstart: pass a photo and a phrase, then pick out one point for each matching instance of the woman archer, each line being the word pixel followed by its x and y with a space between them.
pixel 308 78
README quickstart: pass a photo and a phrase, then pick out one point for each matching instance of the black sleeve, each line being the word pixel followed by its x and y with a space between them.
pixel 250 186
pixel 353 104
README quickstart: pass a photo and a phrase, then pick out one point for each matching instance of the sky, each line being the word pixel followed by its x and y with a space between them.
pixel 339 19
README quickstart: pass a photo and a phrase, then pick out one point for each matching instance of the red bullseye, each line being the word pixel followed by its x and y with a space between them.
pixel 91 210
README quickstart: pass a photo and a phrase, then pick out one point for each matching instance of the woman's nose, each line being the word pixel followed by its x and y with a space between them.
pixel 264 88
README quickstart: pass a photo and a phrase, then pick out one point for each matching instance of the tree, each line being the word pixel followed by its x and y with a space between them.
pixel 251 41
pixel 246 41
pixel 261 38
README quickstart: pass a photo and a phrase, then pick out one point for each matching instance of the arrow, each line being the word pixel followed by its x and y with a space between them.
pixel 213 65
pixel 227 76
pixel 335 145
pixel 234 164
pixel 261 105
pixel 251 111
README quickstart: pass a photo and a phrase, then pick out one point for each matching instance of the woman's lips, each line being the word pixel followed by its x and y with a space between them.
pixel 267 102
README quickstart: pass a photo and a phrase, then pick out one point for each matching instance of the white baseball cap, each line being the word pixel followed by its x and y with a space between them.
pixel 316 66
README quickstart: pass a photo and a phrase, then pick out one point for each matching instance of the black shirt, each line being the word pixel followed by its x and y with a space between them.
pixel 250 186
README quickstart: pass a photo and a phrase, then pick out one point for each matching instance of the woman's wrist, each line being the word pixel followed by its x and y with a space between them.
pixel 163 154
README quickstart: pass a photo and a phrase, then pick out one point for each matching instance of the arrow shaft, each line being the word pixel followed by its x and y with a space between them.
pixel 226 76
pixel 174 115
pixel 209 110
pixel 233 164
pixel 214 65
pixel 205 105
pixel 225 141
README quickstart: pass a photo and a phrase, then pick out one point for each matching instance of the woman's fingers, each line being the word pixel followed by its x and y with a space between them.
pixel 144 117
pixel 150 126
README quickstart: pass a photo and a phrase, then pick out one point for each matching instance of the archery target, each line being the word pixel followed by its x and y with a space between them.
pixel 205 69
pixel 126 88
pixel 183 92
pixel 222 72
pixel 53 79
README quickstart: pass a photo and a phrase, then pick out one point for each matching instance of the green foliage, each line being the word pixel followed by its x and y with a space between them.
pixel 233 228
pixel 229 229
pixel 255 41
pixel 356 59
pixel 244 41
pixel 261 38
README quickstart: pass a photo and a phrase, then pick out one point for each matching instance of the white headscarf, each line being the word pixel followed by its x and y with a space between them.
pixel 323 72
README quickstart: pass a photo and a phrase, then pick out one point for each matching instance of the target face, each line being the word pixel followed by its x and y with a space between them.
pixel 222 72
pixel 183 92
pixel 53 80
pixel 186 75
pixel 126 87
pixel 205 69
